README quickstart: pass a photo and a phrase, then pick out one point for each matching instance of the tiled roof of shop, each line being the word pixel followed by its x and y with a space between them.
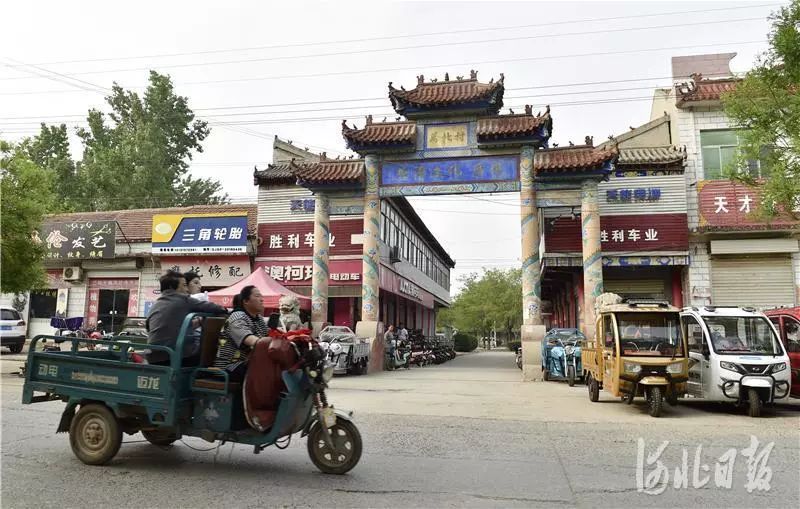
pixel 435 93
pixel 331 172
pixel 699 89
pixel 575 158
pixel 275 174
pixel 651 156
pixel 137 224
pixel 509 126
pixel 380 133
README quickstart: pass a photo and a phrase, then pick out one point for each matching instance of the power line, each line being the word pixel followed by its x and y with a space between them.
pixel 407 36
pixel 400 48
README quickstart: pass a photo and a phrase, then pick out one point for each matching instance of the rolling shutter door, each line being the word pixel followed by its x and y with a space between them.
pixel 643 289
pixel 764 281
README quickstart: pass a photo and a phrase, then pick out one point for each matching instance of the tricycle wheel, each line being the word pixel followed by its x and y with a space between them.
pixel 655 402
pixel 571 375
pixel 159 437
pixel 347 447
pixel 753 403
pixel 594 390
pixel 546 375
pixel 95 435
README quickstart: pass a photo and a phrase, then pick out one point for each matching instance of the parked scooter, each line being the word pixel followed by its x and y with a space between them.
pixel 398 356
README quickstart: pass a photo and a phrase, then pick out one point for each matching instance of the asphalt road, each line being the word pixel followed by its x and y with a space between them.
pixel 464 434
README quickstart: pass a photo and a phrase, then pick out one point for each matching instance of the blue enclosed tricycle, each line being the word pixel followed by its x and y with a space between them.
pixel 561 355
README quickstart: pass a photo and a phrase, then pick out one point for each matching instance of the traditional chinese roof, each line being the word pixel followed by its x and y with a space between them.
pixel 459 94
pixel 275 174
pixel 515 126
pixel 327 171
pixel 136 225
pixel 574 158
pixel 651 156
pixel 380 134
pixel 699 90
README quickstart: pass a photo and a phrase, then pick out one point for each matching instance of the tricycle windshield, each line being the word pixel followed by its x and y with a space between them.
pixel 737 335
pixel 649 334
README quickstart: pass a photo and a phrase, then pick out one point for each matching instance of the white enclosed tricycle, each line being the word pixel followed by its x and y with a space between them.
pixel 735 356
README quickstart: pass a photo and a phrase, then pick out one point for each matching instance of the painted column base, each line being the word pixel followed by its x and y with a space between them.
pixel 532 336
pixel 373 331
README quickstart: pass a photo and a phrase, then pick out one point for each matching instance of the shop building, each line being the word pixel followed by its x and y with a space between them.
pixel 106 265
pixel 736 258
pixel 414 268
pixel 643 228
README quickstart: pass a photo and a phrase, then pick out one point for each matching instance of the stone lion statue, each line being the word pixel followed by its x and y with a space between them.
pixel 289 308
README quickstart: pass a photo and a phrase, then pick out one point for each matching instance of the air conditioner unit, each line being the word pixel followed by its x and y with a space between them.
pixel 72 273
pixel 394 254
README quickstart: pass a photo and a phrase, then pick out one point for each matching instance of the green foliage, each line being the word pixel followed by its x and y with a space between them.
pixel 464 342
pixel 25 197
pixel 136 156
pixel 766 106
pixel 493 299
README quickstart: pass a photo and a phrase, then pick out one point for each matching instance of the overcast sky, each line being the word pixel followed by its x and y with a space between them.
pixel 257 69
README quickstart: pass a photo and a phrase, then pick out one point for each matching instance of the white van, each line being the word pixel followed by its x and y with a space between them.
pixel 735 355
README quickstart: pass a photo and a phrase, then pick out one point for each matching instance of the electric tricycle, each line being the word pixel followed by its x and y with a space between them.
pixel 735 355
pixel 561 355
pixel 638 350
pixel 108 392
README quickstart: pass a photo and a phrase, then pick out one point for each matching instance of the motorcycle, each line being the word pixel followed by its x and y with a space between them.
pixel 518 360
pixel 398 356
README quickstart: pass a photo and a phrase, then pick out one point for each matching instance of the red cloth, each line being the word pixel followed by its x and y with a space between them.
pixel 263 383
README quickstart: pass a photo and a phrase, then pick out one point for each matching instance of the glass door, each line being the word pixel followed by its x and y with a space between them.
pixel 112 309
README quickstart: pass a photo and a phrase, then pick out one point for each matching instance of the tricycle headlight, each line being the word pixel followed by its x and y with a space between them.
pixel 631 367
pixel 778 367
pixel 569 349
pixel 675 367
pixel 729 366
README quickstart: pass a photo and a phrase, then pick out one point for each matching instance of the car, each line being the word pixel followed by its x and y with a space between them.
pixel 12 329
pixel 787 321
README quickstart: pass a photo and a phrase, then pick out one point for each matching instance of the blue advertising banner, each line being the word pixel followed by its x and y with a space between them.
pixel 450 171
pixel 199 233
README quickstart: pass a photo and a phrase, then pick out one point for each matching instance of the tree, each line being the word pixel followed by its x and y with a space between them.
pixel 766 106
pixel 491 300
pixel 136 156
pixel 25 197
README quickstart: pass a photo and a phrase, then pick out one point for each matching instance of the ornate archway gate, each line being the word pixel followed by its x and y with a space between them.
pixel 454 140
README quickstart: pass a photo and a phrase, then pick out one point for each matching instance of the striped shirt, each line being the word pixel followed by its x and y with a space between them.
pixel 239 326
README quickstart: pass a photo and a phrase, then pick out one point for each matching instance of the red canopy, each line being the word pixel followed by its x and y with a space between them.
pixel 270 289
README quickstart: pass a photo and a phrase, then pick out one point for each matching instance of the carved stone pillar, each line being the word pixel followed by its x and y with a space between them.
pixel 320 272
pixel 592 254
pixel 533 330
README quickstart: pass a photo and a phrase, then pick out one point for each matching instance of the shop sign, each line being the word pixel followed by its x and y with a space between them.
pixel 61 301
pixel 300 273
pixel 409 289
pixel 301 206
pixel 634 232
pixel 213 270
pixel 636 195
pixel 78 240
pixel 200 233
pixel 296 238
pixel 729 205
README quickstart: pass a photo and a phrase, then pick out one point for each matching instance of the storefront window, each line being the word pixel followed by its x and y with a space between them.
pixel 43 303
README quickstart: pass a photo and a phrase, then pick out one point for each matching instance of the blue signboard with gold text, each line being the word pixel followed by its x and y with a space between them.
pixel 200 233
pixel 450 171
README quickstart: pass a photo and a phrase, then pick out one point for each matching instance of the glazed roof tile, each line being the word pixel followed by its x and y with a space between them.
pixel 331 172
pixel 503 126
pixel 137 224
pixel 275 174
pixel 582 157
pixel 700 89
pixel 381 133
pixel 441 94
pixel 638 156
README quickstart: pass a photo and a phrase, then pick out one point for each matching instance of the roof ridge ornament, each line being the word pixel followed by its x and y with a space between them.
pixel 528 109
pixel 589 140
pixel 473 74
